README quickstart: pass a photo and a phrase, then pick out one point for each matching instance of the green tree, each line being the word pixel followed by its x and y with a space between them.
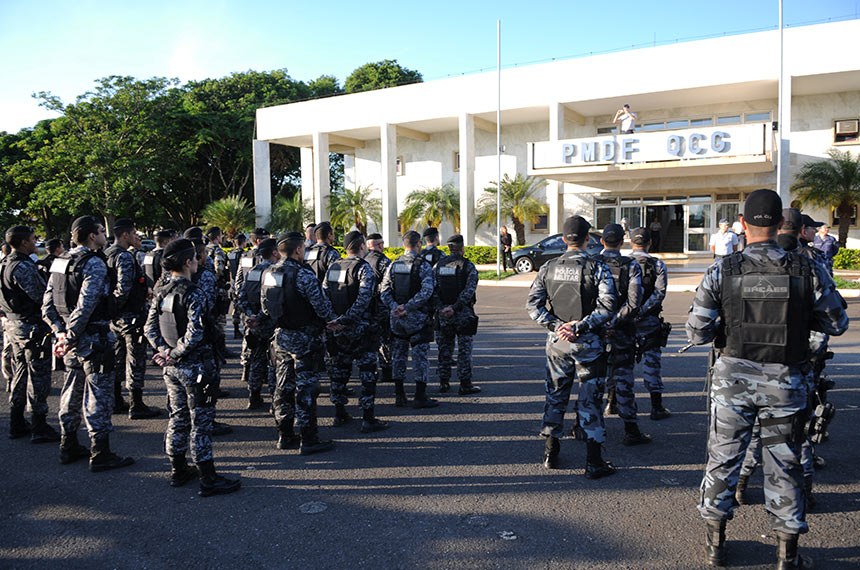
pixel 833 183
pixel 431 206
pixel 354 208
pixel 519 203
pixel 379 75
pixel 324 86
pixel 290 213
pixel 232 214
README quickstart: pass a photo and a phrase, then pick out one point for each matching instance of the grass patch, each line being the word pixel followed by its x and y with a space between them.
pixel 842 283
pixel 491 275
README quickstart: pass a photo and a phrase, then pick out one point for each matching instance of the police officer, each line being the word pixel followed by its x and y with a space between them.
pixel 75 305
pixel 351 288
pixel 220 266
pixel 381 329
pixel 152 259
pixel 128 300
pixel 246 263
pixel 176 330
pixel 764 301
pixel 293 299
pixel 651 331
pixel 431 252
pixel 233 265
pixel 55 249
pixel 574 297
pixel 22 288
pixel 258 327
pixel 321 255
pixel 407 291
pixel 456 283
pixel 621 333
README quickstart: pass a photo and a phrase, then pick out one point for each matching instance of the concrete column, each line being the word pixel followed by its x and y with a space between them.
pixel 554 194
pixel 784 144
pixel 306 154
pixel 388 178
pixel 262 182
pixel 467 178
pixel 322 184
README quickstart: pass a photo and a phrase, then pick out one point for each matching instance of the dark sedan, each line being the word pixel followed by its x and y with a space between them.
pixel 531 257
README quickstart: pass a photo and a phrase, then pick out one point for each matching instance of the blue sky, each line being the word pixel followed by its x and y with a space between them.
pixel 63 46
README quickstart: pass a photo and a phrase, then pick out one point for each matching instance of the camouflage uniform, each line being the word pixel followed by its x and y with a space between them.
pixel 743 391
pixel 90 359
pixel 206 281
pixel 295 351
pixel 256 342
pixel 447 329
pixel 190 392
pixel 129 349
pixel 648 326
pixel 582 359
pixel 381 327
pixel 6 364
pixel 414 328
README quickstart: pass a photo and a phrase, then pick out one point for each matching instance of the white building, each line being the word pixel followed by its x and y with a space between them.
pixel 706 132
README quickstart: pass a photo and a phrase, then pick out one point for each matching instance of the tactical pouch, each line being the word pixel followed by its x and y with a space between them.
pixel 788 429
pixel 423 336
pixel 588 370
pixel 665 329
pixel 469 326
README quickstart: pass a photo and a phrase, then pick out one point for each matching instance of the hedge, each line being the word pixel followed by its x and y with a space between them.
pixel 475 253
pixel 847 259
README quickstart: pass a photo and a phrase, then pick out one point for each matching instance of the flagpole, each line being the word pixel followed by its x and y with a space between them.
pixel 499 147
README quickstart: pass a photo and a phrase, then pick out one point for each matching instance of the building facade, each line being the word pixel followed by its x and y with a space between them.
pixel 706 133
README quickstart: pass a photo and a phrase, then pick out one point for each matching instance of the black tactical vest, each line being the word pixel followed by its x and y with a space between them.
pixel 316 257
pixel 571 287
pixel 406 278
pixel 619 266
pixel 432 255
pixel 152 267
pixel 648 265
pixel 14 301
pixel 767 308
pixel 67 278
pixel 343 283
pixel 253 285
pixel 378 262
pixel 281 299
pixel 233 262
pixel 172 303
pixel 451 275
pixel 137 298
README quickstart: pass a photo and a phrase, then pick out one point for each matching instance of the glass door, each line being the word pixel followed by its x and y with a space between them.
pixel 700 225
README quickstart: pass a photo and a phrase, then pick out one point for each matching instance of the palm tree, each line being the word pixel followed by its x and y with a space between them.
pixel 833 183
pixel 518 203
pixel 290 214
pixel 431 206
pixel 353 208
pixel 231 214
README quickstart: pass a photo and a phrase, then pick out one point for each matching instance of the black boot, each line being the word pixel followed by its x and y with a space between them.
pixel 807 492
pixel 385 374
pixel 466 388
pixel 213 484
pixel 741 490
pixel 255 400
pixel 787 557
pixel 103 459
pixel 715 543
pixel 611 403
pixel 139 410
pixel 287 437
pixel 399 394
pixel 120 406
pixel 370 423
pixel 595 466
pixel 71 450
pixel 341 416
pixel 18 424
pixel 658 412
pixel 41 432
pixel 311 443
pixel 180 472
pixel 632 435
pixel 444 386
pixel 551 449
pixel 421 400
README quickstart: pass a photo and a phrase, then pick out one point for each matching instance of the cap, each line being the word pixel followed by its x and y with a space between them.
pixel 430 232
pixel 291 236
pixel 791 219
pixel 266 247
pixel 164 234
pixel 193 233
pixel 352 238
pixel 412 238
pixel 174 248
pixel 322 228
pixel 214 231
pixel 613 233
pixel 122 225
pixel 240 237
pixel 262 233
pixel 640 236
pixel 456 239
pixel 763 208
pixel 809 222
pixel 575 228
pixel 86 223
pixel 723 221
pixel 374 237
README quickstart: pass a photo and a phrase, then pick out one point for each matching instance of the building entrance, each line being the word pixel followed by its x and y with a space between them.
pixel 666 223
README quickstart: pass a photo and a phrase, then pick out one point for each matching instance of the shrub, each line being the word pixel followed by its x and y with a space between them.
pixel 847 259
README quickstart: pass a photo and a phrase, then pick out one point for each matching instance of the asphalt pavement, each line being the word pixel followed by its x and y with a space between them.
pixel 458 486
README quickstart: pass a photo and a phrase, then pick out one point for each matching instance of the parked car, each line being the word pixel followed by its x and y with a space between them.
pixel 147 245
pixel 531 257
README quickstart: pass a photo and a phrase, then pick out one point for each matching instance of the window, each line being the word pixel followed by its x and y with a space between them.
pixel 762 117
pixel 679 124
pixel 846 131
pixel 455 160
pixel 604 201
pixel 709 122
pixel 400 166
pixel 728 197
pixel 605 130
pixel 853 217
pixel 653 126
pixel 553 243
pixel 542 225
pixel 729 120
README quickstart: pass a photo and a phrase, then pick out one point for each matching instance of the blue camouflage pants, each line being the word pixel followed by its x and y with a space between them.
pixel 130 351
pixel 652 363
pixel 740 395
pixel 189 416
pixel 399 354
pixel 561 372
pixel 340 368
pixel 88 386
pixel 620 376
pixel 298 381
pixel 445 339
pixel 255 360
pixel 31 366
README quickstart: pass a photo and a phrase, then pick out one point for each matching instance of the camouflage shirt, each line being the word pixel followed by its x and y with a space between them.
pixel 628 312
pixel 29 280
pixel 125 272
pixel 467 295
pixel 243 303
pixel 94 289
pixel 359 311
pixel 206 281
pixel 661 283
pixel 194 333
pixel 219 263
pixel 421 299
